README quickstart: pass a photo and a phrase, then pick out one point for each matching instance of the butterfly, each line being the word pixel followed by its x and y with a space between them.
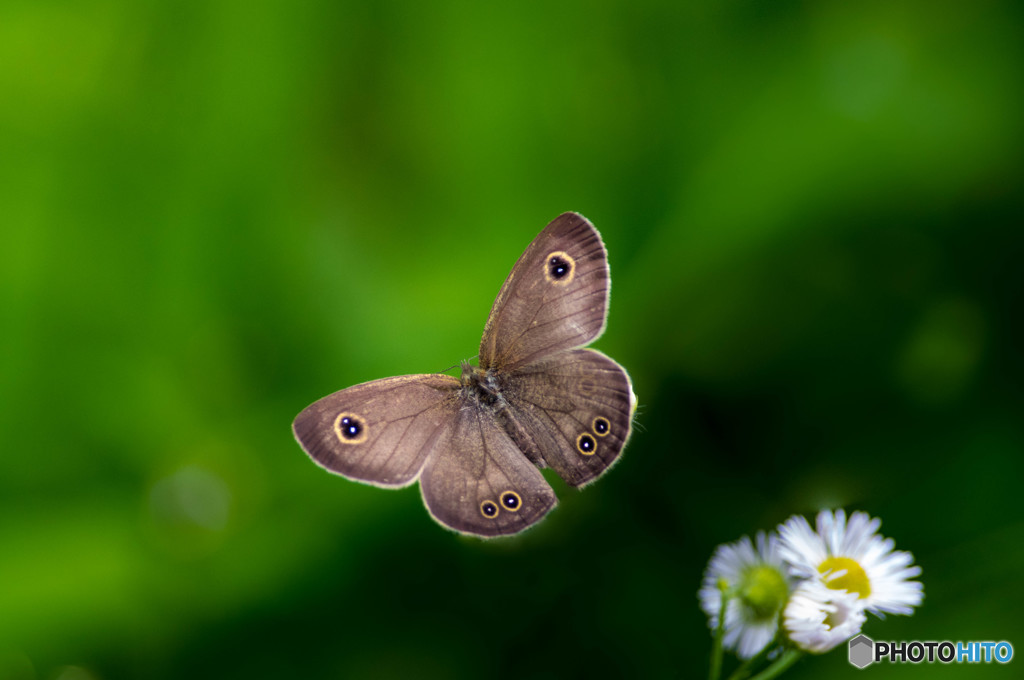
pixel 536 399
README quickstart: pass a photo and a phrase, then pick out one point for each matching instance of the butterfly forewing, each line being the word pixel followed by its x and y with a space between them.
pixel 380 432
pixel 555 298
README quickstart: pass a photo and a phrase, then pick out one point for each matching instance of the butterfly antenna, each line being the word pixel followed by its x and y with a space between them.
pixel 460 364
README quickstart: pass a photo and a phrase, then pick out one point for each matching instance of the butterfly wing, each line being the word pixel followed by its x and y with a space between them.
pixel 479 482
pixel 379 432
pixel 555 297
pixel 573 410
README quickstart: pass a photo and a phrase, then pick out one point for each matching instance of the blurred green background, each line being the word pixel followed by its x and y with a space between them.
pixel 215 213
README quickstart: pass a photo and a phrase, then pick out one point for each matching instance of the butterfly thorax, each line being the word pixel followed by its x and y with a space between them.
pixel 480 384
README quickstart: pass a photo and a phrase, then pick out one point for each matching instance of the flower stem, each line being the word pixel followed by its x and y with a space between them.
pixel 788 658
pixel 747 667
pixel 715 670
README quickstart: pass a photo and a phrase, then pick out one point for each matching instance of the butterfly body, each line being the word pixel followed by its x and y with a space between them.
pixel 537 399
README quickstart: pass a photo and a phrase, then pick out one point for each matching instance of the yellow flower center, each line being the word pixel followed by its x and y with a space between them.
pixel 854 580
pixel 764 591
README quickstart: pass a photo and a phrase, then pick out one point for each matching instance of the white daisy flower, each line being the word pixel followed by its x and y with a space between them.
pixel 851 556
pixel 756 583
pixel 818 618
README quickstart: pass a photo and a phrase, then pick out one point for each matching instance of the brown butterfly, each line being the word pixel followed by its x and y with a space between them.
pixel 537 399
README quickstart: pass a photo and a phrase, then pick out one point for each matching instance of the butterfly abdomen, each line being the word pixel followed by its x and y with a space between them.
pixel 482 390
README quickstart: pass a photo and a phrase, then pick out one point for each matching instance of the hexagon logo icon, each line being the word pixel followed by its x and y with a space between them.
pixel 862 651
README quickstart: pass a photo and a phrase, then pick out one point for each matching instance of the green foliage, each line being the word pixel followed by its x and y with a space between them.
pixel 215 213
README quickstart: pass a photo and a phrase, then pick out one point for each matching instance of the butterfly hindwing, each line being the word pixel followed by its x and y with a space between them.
pixel 478 482
pixel 575 408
